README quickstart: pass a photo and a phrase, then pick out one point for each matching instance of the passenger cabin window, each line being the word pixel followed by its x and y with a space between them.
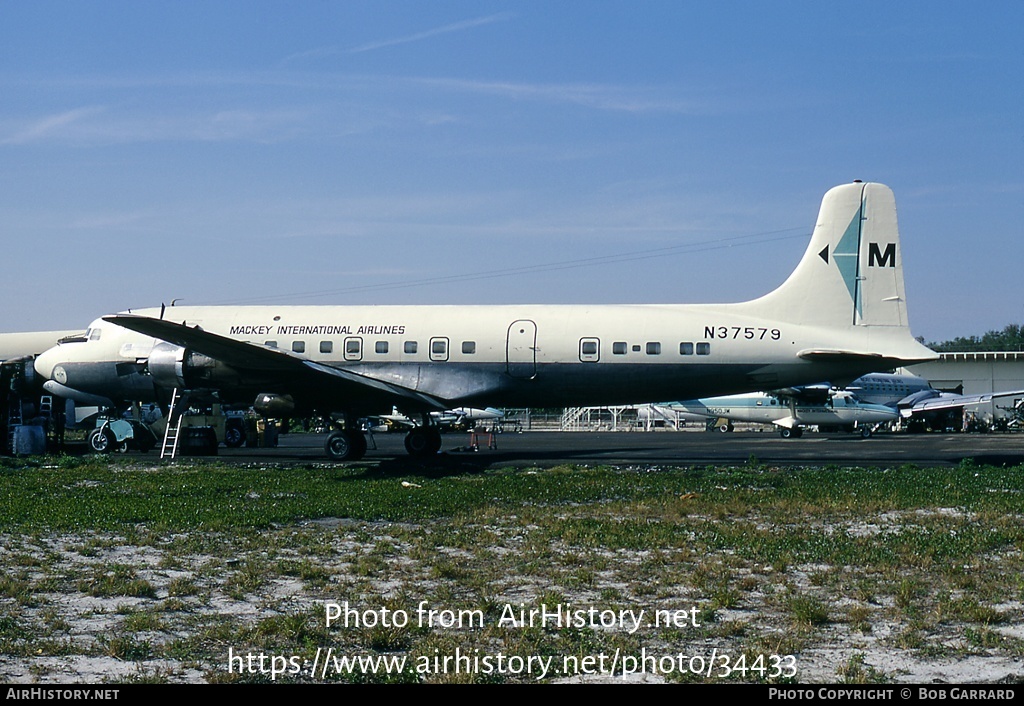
pixel 469 347
pixel 686 348
pixel 590 350
pixel 298 346
pixel 703 349
pixel 411 347
pixel 619 348
pixel 439 349
pixel 636 348
pixel 270 344
pixel 653 348
pixel 326 346
pixel 380 347
pixel 353 348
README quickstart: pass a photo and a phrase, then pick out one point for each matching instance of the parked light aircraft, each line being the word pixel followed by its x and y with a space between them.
pixel 840 314
pixel 839 409
pixel 870 399
pixel 917 401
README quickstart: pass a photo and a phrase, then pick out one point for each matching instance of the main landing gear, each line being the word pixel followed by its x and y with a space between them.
pixel 349 444
pixel 346 445
pixel 423 441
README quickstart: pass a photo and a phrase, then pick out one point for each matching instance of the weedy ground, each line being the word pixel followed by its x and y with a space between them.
pixel 116 571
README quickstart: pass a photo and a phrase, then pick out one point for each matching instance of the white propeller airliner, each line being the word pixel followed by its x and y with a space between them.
pixel 840 314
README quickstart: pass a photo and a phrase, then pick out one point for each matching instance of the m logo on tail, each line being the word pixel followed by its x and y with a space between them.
pixel 876 258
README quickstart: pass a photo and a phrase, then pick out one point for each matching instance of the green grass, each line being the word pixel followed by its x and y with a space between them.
pixel 115 494
pixel 799 553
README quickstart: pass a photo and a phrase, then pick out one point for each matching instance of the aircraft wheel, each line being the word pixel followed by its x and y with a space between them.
pixel 345 445
pixel 726 428
pixel 101 441
pixel 423 441
pixel 865 432
pixel 234 437
pixel 791 433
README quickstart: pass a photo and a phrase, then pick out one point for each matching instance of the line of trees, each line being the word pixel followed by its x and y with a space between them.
pixel 1010 338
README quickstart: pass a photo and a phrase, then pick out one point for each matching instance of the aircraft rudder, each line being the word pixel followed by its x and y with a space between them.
pixel 881 294
pixel 851 273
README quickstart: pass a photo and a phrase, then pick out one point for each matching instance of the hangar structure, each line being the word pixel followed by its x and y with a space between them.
pixel 978 373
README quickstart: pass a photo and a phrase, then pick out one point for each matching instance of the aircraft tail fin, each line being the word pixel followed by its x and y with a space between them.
pixel 852 272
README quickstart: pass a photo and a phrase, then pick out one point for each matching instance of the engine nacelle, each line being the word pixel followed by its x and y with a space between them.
pixel 167 365
pixel 270 404
pixel 173 366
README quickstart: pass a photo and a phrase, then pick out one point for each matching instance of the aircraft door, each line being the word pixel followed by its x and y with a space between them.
pixel 521 349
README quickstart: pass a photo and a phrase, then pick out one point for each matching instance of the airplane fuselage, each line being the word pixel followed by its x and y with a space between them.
pixel 471 356
pixel 887 389
pixel 842 410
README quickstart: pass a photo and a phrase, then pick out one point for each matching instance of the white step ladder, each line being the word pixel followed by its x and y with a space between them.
pixel 174 417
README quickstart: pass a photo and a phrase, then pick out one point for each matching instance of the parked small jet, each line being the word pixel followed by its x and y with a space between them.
pixel 840 314
pixel 839 409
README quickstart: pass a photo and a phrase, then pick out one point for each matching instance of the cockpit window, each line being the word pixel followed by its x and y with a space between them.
pixel 93 334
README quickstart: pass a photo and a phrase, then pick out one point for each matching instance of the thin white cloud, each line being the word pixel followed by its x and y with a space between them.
pixel 80 126
pixel 319 53
pixel 598 96
pixel 324 52
pixel 446 29
pixel 50 127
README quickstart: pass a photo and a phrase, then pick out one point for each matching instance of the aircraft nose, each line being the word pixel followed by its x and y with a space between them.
pixel 47 365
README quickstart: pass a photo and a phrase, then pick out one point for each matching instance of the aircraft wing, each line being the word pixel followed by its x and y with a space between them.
pixel 292 369
pixel 948 400
pixel 807 394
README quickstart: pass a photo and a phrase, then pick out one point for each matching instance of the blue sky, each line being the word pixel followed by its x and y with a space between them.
pixel 498 152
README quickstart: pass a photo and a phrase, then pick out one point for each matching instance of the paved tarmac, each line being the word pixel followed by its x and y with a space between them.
pixel 548 448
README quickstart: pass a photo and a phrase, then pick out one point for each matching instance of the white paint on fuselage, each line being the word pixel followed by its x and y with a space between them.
pixel 638 353
pixel 25 345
